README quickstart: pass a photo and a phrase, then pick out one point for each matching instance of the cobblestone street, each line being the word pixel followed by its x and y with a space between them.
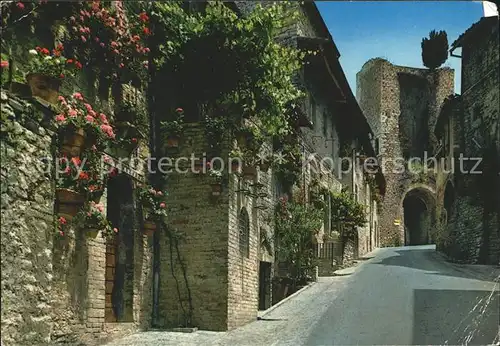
pixel 415 298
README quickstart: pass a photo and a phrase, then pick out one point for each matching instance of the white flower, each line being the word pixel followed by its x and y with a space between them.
pixel 47 58
pixel 57 61
pixel 33 52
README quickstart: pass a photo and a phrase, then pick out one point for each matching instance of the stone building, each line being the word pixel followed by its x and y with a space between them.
pixel 402 105
pixel 469 128
pixel 210 270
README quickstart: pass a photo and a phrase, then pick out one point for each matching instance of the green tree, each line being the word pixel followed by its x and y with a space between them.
pixel 295 226
pixel 435 49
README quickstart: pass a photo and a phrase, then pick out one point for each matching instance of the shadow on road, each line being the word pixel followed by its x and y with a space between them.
pixel 455 317
pixel 433 262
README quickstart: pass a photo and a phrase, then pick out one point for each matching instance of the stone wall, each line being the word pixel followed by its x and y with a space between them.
pixel 471 231
pixel 53 286
pixel 393 97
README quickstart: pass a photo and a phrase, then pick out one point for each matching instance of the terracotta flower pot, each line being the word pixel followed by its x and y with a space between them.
pixel 235 167
pixel 43 86
pixel 73 141
pixel 249 172
pixel 69 202
pixel 149 228
pixel 216 189
pixel 91 232
pixel 172 141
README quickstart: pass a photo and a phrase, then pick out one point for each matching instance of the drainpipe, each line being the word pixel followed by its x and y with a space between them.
pixel 153 148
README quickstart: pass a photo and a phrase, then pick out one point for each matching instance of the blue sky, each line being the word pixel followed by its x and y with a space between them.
pixel 393 30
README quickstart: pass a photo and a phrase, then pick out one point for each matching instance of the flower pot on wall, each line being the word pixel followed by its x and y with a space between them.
pixel 172 142
pixel 249 172
pixel 44 87
pixel 216 189
pixel 73 141
pixel 149 227
pixel 235 167
pixel 91 232
pixel 69 202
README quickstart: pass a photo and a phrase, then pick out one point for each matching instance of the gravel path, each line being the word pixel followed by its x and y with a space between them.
pixel 402 296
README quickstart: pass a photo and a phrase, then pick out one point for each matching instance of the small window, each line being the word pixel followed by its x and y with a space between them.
pixel 244 230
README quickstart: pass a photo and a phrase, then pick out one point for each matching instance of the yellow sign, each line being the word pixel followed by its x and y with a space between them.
pixel 397 222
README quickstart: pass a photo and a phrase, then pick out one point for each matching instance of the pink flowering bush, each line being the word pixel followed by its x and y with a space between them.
pixel 109 38
pixel 52 64
pixel 77 113
pixel 93 217
pixel 153 202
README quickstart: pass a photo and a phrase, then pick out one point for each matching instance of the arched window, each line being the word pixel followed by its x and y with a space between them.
pixel 244 230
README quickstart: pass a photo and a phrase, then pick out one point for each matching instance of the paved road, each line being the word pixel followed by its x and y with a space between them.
pixel 401 296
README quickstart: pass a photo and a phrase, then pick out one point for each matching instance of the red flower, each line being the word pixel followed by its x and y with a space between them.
pixel 61 233
pixel 4 63
pixel 134 140
pixel 61 75
pixel 179 110
pixel 62 220
pixel 69 61
pixel 83 176
pixel 45 51
pixel 37 48
pixel 143 16
pixel 162 205
pixel 20 5
pixel 115 230
pixel 78 65
pixel 59 47
pixel 146 31
pixel 76 161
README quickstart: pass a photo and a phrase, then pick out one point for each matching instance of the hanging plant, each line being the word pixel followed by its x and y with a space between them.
pixel 46 70
pixel 106 37
pixel 81 126
pixel 173 127
pixel 154 203
pixel 214 130
pixel 216 177
pixel 92 220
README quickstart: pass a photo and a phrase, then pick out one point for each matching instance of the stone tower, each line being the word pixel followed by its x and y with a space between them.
pixel 402 104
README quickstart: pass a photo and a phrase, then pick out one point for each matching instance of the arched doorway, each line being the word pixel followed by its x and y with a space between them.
pixel 120 251
pixel 419 216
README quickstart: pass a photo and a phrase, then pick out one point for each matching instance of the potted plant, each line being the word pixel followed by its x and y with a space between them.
pixel 46 70
pixel 154 206
pixel 80 125
pixel 216 176
pixel 249 172
pixel 214 130
pixel 93 220
pixel 173 128
pixel 78 180
pixel 236 160
pixel 124 147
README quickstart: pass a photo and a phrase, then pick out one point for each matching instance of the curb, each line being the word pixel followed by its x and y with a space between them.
pixel 265 312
